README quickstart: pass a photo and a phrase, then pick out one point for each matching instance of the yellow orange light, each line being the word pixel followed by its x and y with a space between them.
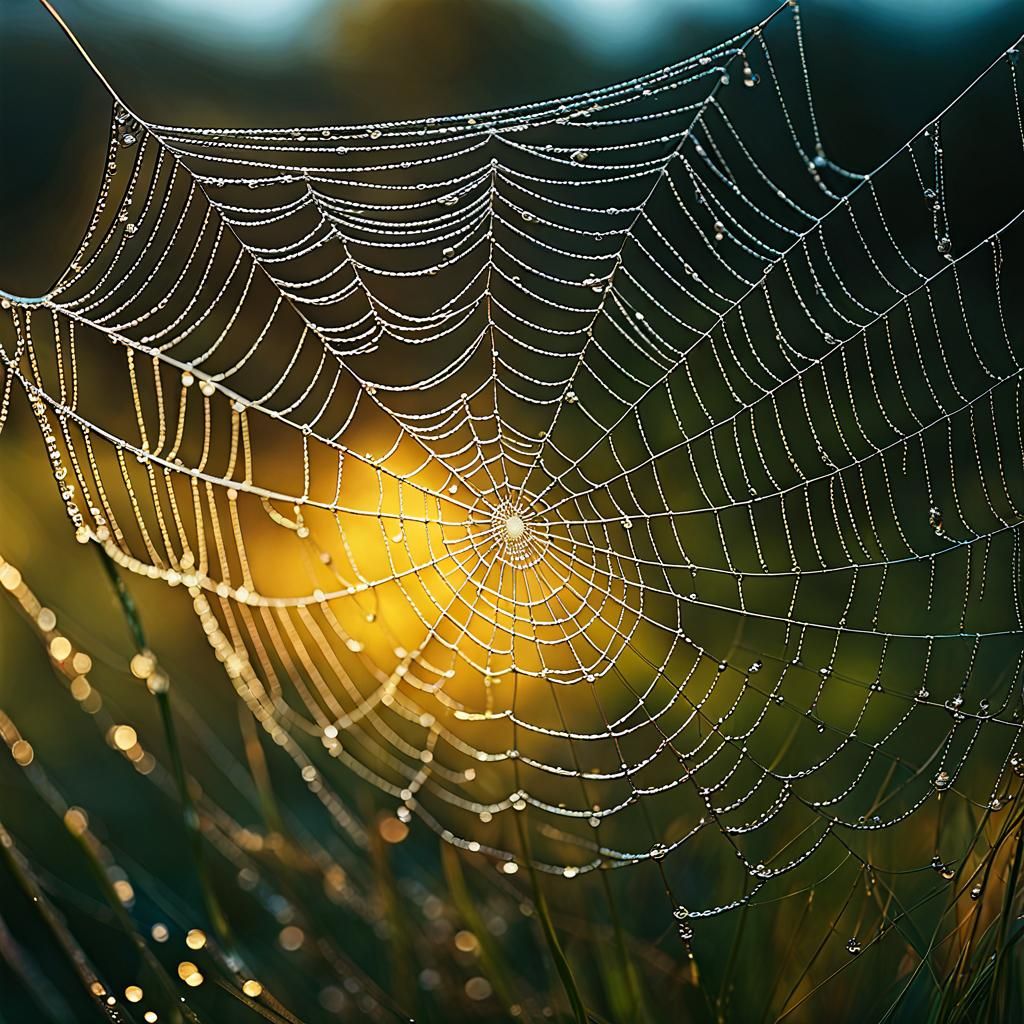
pixel 124 737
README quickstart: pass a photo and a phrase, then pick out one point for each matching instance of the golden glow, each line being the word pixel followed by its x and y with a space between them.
pixel 60 648
pixel 10 577
pixel 392 830
pixel 76 821
pixel 514 528
pixel 22 752
pixel 124 890
pixel 186 969
pixel 124 737
pixel 80 688
pixel 142 665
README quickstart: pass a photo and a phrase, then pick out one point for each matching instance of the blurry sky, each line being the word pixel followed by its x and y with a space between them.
pixel 605 25
pixel 287 62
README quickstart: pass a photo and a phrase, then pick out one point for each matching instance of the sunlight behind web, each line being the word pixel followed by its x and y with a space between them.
pixel 620 461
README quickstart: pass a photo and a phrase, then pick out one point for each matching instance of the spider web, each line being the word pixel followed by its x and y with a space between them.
pixel 621 463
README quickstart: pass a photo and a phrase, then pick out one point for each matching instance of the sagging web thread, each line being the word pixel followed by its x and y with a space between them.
pixel 620 461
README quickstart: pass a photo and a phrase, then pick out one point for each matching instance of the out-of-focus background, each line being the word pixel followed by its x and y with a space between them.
pixel 881 68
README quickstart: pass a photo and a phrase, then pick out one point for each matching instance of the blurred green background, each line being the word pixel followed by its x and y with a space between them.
pixel 881 68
